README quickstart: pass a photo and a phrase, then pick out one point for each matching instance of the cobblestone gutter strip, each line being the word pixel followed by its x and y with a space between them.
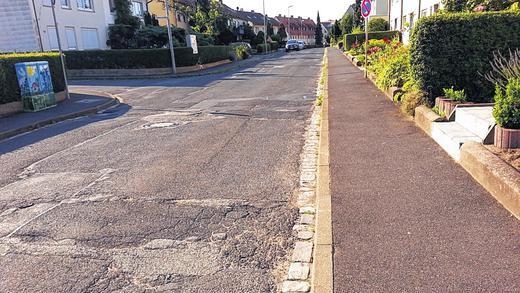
pixel 299 276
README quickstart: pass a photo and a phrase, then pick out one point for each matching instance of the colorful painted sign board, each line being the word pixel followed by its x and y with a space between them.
pixel 34 79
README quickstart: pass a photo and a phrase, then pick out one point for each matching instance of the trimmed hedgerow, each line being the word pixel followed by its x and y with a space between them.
pixel 456 49
pixel 272 46
pixel 350 39
pixel 144 58
pixel 9 89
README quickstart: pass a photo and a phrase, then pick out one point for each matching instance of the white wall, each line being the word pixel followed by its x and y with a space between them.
pixel 18 30
pixel 411 13
pixel 79 29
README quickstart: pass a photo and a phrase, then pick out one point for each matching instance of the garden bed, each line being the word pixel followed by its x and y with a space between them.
pixel 511 156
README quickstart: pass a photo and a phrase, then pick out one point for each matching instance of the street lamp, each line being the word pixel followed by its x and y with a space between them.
pixel 53 2
pixel 170 39
pixel 265 28
pixel 289 22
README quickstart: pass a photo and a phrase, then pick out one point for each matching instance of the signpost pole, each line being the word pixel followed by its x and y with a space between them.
pixel 170 38
pixel 60 49
pixel 366 47
pixel 366 8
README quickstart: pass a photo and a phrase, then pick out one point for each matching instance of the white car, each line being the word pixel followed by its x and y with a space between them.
pixel 301 45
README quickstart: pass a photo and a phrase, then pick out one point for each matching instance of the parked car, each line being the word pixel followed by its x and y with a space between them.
pixel 292 45
pixel 302 45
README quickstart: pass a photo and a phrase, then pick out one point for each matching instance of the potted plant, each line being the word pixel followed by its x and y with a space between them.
pixel 507 115
pixel 446 104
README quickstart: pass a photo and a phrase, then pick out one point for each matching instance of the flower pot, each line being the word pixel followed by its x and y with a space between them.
pixel 506 138
pixel 446 105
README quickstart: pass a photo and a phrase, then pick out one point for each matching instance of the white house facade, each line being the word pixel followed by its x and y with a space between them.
pixel 404 14
pixel 82 24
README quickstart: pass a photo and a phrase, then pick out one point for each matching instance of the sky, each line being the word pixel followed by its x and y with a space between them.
pixel 329 9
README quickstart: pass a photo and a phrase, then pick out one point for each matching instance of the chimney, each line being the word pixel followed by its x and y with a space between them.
pixel 238 8
pixel 252 11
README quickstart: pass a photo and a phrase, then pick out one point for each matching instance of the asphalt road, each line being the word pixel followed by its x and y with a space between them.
pixel 185 187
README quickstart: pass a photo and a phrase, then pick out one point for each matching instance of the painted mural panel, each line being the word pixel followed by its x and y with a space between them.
pixel 34 79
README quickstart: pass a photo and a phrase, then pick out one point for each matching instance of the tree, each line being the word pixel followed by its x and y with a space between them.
pixel 121 35
pixel 226 36
pixel 259 38
pixel 318 32
pixel 281 32
pixel 378 25
pixel 347 24
pixel 336 31
pixel 471 5
pixel 270 30
pixel 358 20
pixel 249 34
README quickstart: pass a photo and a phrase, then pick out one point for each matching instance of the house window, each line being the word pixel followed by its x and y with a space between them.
pixel 424 12
pixel 412 16
pixel 395 24
pixel 90 38
pixel 65 4
pixel 71 38
pixel 53 38
pixel 137 8
pixel 84 4
pixel 47 3
pixel 435 8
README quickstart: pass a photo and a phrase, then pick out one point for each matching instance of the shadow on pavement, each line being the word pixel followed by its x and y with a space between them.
pixel 31 137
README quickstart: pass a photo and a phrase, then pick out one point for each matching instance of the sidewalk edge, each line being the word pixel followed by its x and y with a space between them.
pixel 39 124
pixel 323 261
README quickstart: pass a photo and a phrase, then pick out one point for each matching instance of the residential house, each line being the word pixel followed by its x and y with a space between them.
pixel 301 29
pixel 238 18
pixel 404 14
pixel 379 9
pixel 82 24
pixel 178 16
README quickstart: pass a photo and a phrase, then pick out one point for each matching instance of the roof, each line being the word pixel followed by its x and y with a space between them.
pixel 253 17
pixel 299 26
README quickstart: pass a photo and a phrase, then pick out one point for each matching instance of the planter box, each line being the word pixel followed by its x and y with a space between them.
pixel 446 105
pixel 507 138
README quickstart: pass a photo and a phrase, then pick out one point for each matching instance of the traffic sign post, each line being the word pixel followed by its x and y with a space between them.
pixel 366 8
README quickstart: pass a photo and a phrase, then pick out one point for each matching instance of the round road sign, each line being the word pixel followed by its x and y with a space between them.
pixel 366 7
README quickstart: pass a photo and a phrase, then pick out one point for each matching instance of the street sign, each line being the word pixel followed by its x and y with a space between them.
pixel 366 7
pixel 191 41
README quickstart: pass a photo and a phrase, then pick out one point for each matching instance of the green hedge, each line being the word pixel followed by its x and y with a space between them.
pixel 350 39
pixel 273 46
pixel 9 90
pixel 452 49
pixel 144 58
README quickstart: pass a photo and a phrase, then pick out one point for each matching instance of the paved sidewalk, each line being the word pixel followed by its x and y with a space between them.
pixel 406 217
pixel 78 105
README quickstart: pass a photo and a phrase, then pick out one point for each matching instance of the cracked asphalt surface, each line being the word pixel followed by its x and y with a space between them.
pixel 185 187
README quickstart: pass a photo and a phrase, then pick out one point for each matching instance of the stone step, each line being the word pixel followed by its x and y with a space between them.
pixel 451 135
pixel 478 120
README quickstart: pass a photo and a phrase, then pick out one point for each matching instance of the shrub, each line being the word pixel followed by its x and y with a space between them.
pixel 454 95
pixel 391 66
pixel 273 46
pixel 378 25
pixel 450 49
pixel 412 97
pixel 9 90
pixel 144 58
pixel 241 52
pixel 504 69
pixel 350 39
pixel 507 105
